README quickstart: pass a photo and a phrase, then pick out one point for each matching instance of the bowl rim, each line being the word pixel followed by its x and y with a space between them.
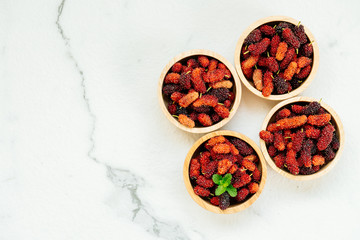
pixel 328 166
pixel 237 87
pixel 208 206
pixel 307 81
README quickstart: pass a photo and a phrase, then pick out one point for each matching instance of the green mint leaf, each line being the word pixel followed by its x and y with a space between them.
pixel 231 190
pixel 216 179
pixel 220 190
pixel 227 179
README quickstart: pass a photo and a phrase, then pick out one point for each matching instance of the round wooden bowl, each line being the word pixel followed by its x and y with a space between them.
pixel 249 85
pixel 184 57
pixel 335 120
pixel 207 205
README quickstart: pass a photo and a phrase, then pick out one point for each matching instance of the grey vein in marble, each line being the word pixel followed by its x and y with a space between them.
pixel 123 179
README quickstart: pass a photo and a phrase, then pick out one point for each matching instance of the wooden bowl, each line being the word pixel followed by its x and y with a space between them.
pixel 335 120
pixel 249 85
pixel 207 205
pixel 184 57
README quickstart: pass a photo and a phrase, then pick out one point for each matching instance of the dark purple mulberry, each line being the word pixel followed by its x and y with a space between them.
pixel 242 146
pixel 224 201
pixel 299 31
pixel 253 37
pixel 280 85
pixel 169 89
pixel 312 108
pixel 221 93
pixel 185 80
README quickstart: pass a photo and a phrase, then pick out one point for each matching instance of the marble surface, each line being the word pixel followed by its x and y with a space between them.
pixel 86 153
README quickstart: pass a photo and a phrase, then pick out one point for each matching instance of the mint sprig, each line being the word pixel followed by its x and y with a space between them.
pixel 224 185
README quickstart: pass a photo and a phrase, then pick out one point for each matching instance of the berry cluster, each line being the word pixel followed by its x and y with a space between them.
pixel 225 172
pixel 302 139
pixel 199 91
pixel 277 58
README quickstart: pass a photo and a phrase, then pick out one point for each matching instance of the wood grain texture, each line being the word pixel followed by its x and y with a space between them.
pixel 206 205
pixel 236 87
pixel 249 85
pixel 335 120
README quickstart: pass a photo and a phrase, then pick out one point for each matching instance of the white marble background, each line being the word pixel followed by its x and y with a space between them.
pixel 86 153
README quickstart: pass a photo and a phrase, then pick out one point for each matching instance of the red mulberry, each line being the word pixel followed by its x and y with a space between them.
pixel 192 63
pixel 200 191
pixel 249 165
pixel 268 137
pixel 203 182
pixel 249 63
pixel 290 38
pixel 289 56
pixel 172 109
pixel 223 166
pixel 209 169
pixel 204 119
pixel 253 187
pixel 212 65
pixel 279 142
pixel 283 113
pixel 272 64
pixel 297 140
pixel 197 81
pixel 268 84
pixel 267 30
pixel 257 78
pixel 304 72
pixel 274 44
pixel 172 78
pixel 280 160
pixel 303 62
pixel 253 37
pixel 176 67
pixel 290 71
pixel 318 160
pixel 242 194
pixel 257 175
pixel 194 171
pixel 281 51
pixel 206 100
pixel 260 47
pixel 204 61
pixel 222 111
pixel 215 201
pixel 319 120
pixel 325 137
pixel 186 121
pixel 305 154
pixel 272 151
pixel 292 164
pixel 312 132
pixel 188 99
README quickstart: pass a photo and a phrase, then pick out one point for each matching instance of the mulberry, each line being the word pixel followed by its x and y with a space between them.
pixel 312 132
pixel 299 32
pixel 303 62
pixel 329 154
pixel 249 165
pixel 194 171
pixel 220 93
pixel 176 68
pixel 250 62
pixel 215 117
pixel 268 137
pixel 186 121
pixel 253 187
pixel 216 75
pixel 257 78
pixel 289 56
pixel 267 30
pixel 290 71
pixel 176 96
pixel 192 63
pixel 172 78
pixel 319 120
pixel 200 191
pixel 292 164
pixel 335 144
pixel 224 201
pixel 272 151
pixel 209 169
pixel 272 64
pixel 253 37
pixel 242 194
pixel 206 100
pixel 172 109
pixel 215 201
pixel 290 38
pixel 305 154
pixel 256 175
pixel 274 44
pixel 222 84
pixel 223 166
pixel 204 119
pixel 280 85
pixel 185 80
pixel 307 50
pixel 279 28
pixel 325 137
pixel 312 108
pixel 203 182
pixel 204 61
pixel 212 65
pixel 280 160
pixel 283 113
pixel 279 142
pixel 281 51
pixel 242 146
pixel 221 148
pixel 169 89
pixel 222 111
pixel 304 72
pixel 297 140
pixel 197 81
pixel 318 160
pixel 268 84
pixel 188 99
pixel 260 47
pixel 216 140
pixel 241 181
